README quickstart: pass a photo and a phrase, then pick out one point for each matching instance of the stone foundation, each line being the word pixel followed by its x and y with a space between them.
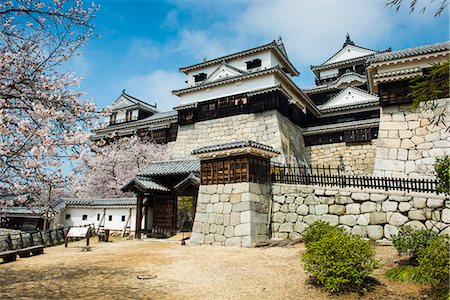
pixel 408 144
pixel 231 215
pixel 268 127
pixel 375 214
pixel 355 159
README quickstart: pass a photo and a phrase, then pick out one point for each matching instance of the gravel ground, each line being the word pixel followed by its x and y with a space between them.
pixel 172 271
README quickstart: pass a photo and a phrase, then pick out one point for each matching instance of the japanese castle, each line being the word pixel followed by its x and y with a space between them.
pixel 249 100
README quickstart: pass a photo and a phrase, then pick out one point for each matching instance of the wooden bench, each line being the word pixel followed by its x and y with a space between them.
pixel 9 255
pixel 29 251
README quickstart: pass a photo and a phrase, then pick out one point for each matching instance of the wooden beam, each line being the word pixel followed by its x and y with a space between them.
pixel 140 198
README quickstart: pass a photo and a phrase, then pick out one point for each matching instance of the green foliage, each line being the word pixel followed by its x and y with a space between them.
pixel 410 242
pixel 318 230
pixel 339 261
pixel 442 168
pixel 431 86
pixel 406 273
pixel 434 261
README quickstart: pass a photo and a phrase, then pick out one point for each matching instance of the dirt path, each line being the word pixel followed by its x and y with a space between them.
pixel 110 271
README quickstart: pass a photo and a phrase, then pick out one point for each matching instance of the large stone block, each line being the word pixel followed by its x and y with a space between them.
pixel 390 231
pixel 201 217
pixel 310 219
pixel 233 241
pixel 330 219
pixel 368 207
pixel 209 238
pixel 398 219
pixel 243 229
pixel 404 206
pixel 279 217
pixel 227 208
pixel 353 209
pixel 249 217
pixel 375 232
pixel 415 225
pixel 360 196
pixel 389 206
pixel 337 209
pixel 302 210
pixel 419 202
pixel 348 220
pixel 235 218
pixel 359 230
pixel 321 209
pixel 378 218
pixel 291 217
pixel 280 199
pixel 218 208
pixel 378 197
pixel 286 227
pixel 445 217
pixel 300 227
pixel 363 220
pixel 197 238
pixel 311 200
pixel 235 198
pixel 417 215
pixel 299 200
pixel 215 198
pixel 435 203
pixel 243 206
pixel 343 199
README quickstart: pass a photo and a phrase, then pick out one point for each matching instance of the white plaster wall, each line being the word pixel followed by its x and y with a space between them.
pixel 228 89
pixel 267 61
pixel 329 73
pixel 116 223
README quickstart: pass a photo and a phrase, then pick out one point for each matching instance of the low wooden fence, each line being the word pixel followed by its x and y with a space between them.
pixel 48 238
pixel 326 176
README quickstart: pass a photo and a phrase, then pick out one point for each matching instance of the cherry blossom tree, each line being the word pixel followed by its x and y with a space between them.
pixel 42 119
pixel 111 166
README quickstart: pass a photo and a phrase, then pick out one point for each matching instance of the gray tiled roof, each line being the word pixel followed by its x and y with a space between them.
pixel 193 177
pixel 171 167
pixel 273 44
pixel 410 52
pixel 233 145
pixel 99 201
pixel 21 210
pixel 149 184
pixel 341 126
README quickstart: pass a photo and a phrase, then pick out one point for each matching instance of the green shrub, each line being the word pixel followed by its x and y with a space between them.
pixel 442 168
pixel 339 261
pixel 410 241
pixel 434 261
pixel 318 230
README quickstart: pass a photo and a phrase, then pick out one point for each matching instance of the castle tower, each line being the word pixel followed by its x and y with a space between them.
pixel 247 95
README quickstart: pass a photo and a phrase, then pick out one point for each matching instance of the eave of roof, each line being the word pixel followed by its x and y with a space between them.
pixel 368 123
pixel 271 45
pixel 171 168
pixel 138 124
pixel 99 202
pixel 403 53
pixel 233 145
pixel 363 58
pixel 273 70
pixel 332 85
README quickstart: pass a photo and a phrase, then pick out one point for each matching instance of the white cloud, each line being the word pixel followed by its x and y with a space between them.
pixel 156 87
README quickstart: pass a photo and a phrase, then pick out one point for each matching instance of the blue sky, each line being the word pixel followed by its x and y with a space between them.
pixel 143 43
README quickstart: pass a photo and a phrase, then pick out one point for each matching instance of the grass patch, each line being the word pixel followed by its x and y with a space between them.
pixel 406 273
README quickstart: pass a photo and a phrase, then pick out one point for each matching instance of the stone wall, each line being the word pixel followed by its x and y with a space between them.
pixel 356 159
pixel 232 214
pixel 268 127
pixel 408 144
pixel 375 214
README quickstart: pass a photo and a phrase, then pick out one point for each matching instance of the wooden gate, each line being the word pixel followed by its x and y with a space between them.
pixel 163 215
